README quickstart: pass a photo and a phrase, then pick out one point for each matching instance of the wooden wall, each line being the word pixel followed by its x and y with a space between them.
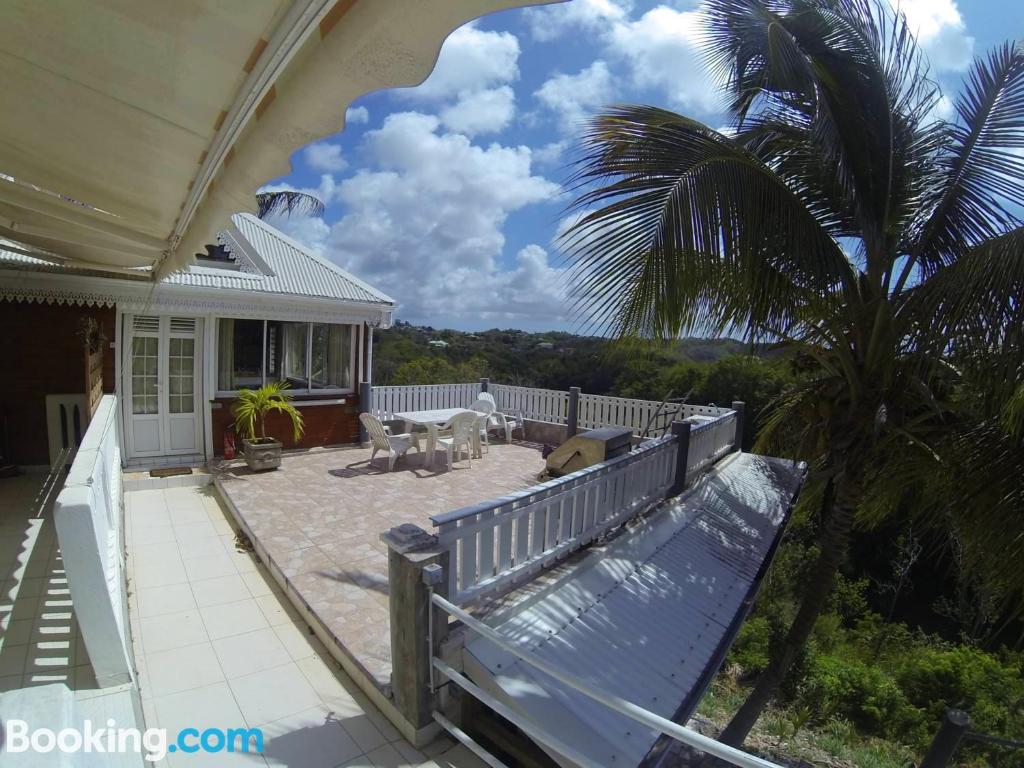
pixel 43 354
pixel 325 424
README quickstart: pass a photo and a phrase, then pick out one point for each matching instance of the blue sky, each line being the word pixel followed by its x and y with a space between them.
pixel 448 196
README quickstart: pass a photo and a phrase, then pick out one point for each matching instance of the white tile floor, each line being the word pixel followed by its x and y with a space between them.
pixel 39 638
pixel 218 645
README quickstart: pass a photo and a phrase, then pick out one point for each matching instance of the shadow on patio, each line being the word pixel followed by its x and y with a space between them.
pixel 316 522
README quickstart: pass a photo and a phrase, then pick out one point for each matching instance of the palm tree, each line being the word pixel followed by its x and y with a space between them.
pixel 841 216
pixel 287 202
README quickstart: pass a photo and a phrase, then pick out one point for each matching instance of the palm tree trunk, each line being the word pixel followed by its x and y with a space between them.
pixel 833 542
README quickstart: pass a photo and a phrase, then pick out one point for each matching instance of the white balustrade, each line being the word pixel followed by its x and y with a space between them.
pixel 387 401
pixel 89 516
pixel 500 543
pixel 550 405
pixel 708 443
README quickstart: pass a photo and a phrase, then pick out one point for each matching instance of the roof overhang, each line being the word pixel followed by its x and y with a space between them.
pixel 132 131
pixel 143 296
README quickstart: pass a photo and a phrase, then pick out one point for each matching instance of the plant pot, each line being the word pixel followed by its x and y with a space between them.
pixel 262 454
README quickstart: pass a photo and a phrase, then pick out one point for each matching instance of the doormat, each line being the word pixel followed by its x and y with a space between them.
pixel 170 471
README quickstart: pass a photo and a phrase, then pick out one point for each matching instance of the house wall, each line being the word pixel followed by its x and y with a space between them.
pixel 325 424
pixel 44 355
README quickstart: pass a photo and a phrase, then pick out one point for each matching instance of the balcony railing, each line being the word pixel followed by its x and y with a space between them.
pixel 498 544
pixel 89 516
pixel 581 410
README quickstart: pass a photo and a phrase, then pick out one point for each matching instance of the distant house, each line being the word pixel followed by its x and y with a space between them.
pixel 257 308
pixel 545 345
pixel 439 343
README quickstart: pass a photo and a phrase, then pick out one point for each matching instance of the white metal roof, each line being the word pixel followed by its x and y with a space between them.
pixel 282 266
pixel 647 617
pixel 132 130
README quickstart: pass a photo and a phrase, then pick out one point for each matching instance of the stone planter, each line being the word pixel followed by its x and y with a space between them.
pixel 262 454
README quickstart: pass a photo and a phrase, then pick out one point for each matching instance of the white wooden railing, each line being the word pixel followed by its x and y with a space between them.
pixel 500 543
pixel 603 411
pixel 89 516
pixel 387 401
pixel 550 405
pixel 709 442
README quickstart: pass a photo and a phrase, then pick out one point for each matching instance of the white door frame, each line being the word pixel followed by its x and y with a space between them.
pixel 163 419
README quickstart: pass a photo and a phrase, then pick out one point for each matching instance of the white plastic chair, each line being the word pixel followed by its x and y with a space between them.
pixel 393 445
pixel 485 407
pixel 501 420
pixel 462 426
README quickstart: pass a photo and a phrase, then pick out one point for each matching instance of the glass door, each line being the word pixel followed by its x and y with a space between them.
pixel 162 385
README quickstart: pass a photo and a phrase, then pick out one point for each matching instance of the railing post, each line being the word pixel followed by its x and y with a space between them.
pixel 416 565
pixel 741 415
pixel 365 406
pixel 484 384
pixel 954 725
pixel 681 429
pixel 573 416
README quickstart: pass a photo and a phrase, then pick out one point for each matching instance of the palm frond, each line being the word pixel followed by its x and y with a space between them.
pixel 695 233
pixel 973 306
pixel 980 170
pixel 287 202
pixel 842 94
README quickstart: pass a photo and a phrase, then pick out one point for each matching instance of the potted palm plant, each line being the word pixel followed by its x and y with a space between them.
pixel 262 452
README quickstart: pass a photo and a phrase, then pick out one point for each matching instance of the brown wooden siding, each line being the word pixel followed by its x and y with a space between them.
pixel 325 424
pixel 44 355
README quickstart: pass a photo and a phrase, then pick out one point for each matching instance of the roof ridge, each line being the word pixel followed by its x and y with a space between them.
pixel 316 258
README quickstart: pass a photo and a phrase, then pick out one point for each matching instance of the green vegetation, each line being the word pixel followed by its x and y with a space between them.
pixel 253 405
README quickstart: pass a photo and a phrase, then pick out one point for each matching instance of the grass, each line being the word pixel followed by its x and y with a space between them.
pixel 779 735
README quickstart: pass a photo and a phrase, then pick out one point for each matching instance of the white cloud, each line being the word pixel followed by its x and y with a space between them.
pixel 424 222
pixel 550 155
pixel 941 32
pixel 324 156
pixel 552 21
pixel 477 112
pixel 356 115
pixel 471 59
pixel 573 98
pixel 662 51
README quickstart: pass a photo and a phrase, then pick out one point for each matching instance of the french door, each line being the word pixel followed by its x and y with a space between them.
pixel 163 382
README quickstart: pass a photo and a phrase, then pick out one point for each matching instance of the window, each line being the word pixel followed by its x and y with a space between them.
pixel 181 378
pixel 286 353
pixel 239 354
pixel 330 357
pixel 309 356
pixel 144 374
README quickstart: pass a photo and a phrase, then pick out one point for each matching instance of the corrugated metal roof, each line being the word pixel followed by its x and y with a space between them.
pixel 646 617
pixel 287 267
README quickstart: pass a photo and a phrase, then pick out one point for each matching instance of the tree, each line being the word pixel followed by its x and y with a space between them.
pixel 287 202
pixel 841 217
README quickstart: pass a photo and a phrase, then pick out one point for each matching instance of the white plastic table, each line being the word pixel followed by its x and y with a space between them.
pixel 432 420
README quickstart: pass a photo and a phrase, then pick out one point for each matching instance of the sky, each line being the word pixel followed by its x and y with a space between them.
pixel 449 196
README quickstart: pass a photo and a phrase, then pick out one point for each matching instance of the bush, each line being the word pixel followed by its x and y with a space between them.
pixel 839 685
pixel 989 689
pixel 752 648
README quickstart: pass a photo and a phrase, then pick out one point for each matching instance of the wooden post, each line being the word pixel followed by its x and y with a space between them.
pixel 681 429
pixel 944 745
pixel 484 384
pixel 741 416
pixel 574 412
pixel 365 406
pixel 415 565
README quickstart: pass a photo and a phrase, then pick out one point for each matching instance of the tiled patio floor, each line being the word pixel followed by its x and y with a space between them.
pixel 319 519
pixel 39 639
pixel 218 645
